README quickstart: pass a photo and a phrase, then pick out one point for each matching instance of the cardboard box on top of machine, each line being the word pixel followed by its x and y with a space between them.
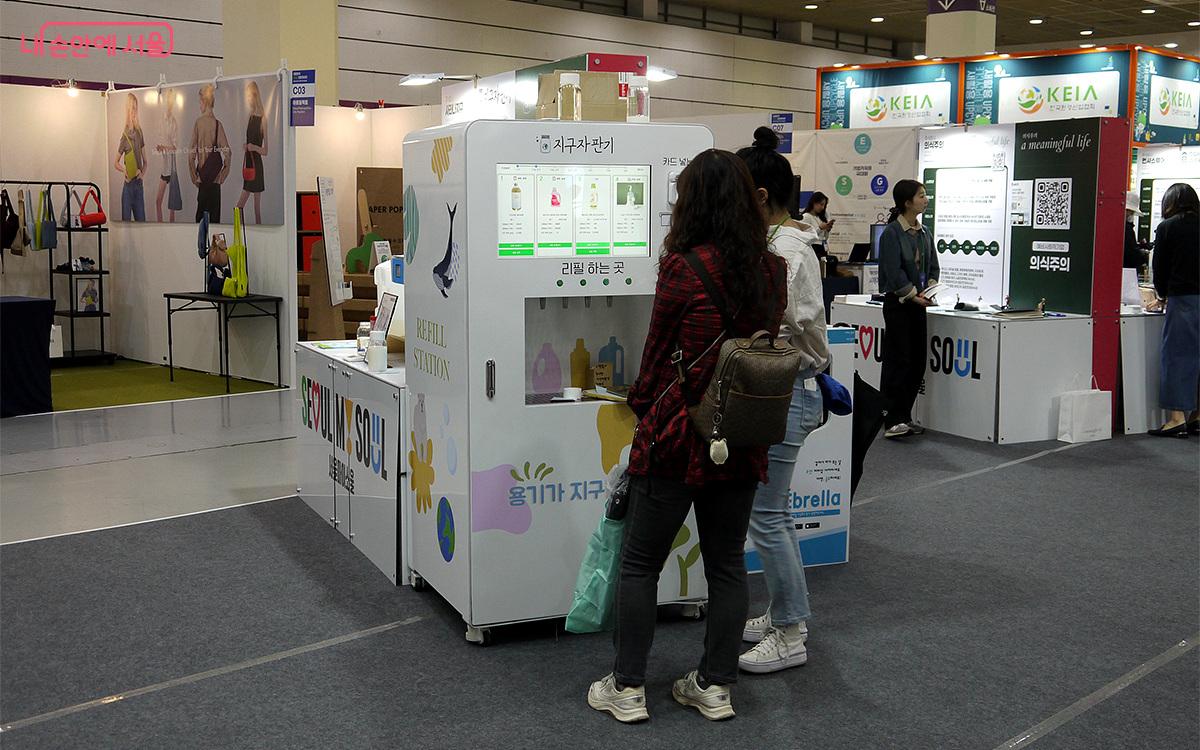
pixel 599 95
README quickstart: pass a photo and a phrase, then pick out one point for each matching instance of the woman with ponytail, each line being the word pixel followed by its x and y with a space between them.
pixel 908 264
pixel 781 632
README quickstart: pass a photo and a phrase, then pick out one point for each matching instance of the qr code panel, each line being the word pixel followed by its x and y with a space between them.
pixel 1052 203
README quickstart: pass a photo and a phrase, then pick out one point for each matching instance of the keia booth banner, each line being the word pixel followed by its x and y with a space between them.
pixel 179 150
pixel 1012 209
pixel 1167 103
pixel 902 96
pixel 1053 87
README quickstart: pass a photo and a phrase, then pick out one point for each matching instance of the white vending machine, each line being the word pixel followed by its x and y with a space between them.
pixel 531 251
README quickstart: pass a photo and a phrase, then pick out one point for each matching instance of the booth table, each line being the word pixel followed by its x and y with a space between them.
pixel 987 378
pixel 25 351
pixel 1141 363
pixel 351 436
pixel 262 305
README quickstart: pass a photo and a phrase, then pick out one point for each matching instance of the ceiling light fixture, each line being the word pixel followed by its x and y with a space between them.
pixel 839 65
pixel 1036 21
pixel 937 59
pixel 920 57
pixel 1102 49
pixel 1005 55
pixel 72 89
pixel 855 67
pixel 1086 32
pixel 1193 23
pixel 421 79
pixel 359 114
pixel 877 19
pixel 1149 11
pixel 810 6
pixel 1171 45
pixel 656 74
pixel 1087 45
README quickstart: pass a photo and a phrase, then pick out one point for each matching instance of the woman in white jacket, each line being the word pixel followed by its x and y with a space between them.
pixel 781 632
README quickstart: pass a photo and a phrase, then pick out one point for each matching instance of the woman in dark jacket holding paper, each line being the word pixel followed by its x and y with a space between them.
pixel 908 265
pixel 717 222
pixel 1177 283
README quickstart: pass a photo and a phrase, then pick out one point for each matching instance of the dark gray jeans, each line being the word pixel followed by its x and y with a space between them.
pixel 657 508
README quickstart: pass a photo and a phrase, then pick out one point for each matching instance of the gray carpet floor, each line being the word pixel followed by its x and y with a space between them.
pixel 971 611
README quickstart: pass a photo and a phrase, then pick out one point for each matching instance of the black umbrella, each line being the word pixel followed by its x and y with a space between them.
pixel 869 408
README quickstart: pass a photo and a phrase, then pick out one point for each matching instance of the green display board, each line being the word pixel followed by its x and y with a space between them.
pixel 1054 87
pixel 1055 171
pixel 900 96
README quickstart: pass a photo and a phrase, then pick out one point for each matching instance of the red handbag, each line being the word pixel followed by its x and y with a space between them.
pixel 97 217
pixel 248 170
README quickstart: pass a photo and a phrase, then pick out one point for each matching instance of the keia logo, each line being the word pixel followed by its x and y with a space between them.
pixel 910 103
pixel 1169 99
pixel 1030 99
pixel 1067 94
pixel 876 108
pixel 958 356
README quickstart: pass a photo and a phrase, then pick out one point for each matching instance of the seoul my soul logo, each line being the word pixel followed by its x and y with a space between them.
pixel 343 422
pixel 876 108
pixel 1030 99
pixel 954 356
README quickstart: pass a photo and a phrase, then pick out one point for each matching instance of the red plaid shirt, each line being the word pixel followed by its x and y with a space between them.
pixel 665 444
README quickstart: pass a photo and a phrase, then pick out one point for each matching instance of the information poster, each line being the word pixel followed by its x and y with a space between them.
pixel 570 211
pixel 1051 87
pixel 857 170
pixel 1157 168
pixel 1167 101
pixel 898 96
pixel 967 178
pixel 1052 257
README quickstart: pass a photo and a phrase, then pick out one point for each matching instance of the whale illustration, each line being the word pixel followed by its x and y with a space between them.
pixel 445 272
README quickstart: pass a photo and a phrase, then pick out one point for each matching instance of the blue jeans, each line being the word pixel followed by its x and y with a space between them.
pixel 133 200
pixel 772 528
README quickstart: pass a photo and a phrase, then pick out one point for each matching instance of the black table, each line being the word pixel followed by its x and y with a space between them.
pixel 25 351
pixel 263 306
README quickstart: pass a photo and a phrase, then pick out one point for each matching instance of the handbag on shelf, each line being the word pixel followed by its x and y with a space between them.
pixel 95 218
pixel 49 224
pixel 238 283
pixel 64 216
pixel 217 261
pixel 248 170
pixel 10 225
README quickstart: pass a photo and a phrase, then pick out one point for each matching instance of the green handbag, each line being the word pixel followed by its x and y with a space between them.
pixel 131 167
pixel 238 283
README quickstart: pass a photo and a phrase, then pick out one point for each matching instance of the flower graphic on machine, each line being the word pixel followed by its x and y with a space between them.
pixel 420 457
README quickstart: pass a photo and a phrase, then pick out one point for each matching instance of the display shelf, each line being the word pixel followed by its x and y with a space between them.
pixel 84 357
pixel 69 236
pixel 62 272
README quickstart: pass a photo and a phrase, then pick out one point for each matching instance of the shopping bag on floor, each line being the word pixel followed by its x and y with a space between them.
pixel 594 600
pixel 1085 416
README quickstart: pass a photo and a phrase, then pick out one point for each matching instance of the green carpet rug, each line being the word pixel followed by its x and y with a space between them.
pixel 129 382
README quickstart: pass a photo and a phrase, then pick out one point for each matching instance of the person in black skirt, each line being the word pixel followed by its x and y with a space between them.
pixel 907 266
pixel 254 149
pixel 1176 267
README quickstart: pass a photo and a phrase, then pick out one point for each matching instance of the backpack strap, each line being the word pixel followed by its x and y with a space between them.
pixel 714 294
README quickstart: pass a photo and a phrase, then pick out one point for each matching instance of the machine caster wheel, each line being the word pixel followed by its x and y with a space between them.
pixel 695 611
pixel 479 636
pixel 419 583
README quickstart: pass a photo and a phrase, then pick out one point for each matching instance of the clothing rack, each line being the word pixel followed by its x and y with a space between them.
pixel 74 356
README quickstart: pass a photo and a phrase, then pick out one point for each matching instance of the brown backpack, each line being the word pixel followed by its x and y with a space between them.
pixel 746 402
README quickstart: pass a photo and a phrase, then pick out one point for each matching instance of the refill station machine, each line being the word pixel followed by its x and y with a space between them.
pixel 531 257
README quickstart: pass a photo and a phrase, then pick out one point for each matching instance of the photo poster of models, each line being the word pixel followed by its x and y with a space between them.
pixel 177 150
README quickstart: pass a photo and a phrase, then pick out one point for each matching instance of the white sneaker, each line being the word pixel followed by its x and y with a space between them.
pixel 779 649
pixel 898 430
pixel 756 628
pixel 628 705
pixel 714 703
